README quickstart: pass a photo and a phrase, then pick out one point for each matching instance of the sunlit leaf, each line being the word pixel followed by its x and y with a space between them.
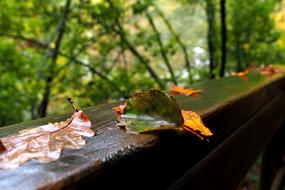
pixel 45 143
pixel 188 92
pixel 194 123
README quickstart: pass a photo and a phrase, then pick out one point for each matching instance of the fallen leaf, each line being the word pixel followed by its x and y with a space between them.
pixel 45 143
pixel 175 90
pixel 242 74
pixel 119 110
pixel 156 110
pixel 194 123
pixel 155 103
pixel 148 111
pixel 268 70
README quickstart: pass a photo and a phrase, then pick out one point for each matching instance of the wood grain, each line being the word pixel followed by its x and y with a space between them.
pixel 114 158
pixel 237 153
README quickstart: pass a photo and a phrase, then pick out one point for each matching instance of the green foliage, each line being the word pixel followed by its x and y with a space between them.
pixel 110 49
pixel 254 37
pixel 17 90
pixel 150 111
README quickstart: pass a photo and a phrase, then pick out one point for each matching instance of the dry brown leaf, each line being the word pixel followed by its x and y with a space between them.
pixel 188 92
pixel 194 124
pixel 45 143
pixel 242 74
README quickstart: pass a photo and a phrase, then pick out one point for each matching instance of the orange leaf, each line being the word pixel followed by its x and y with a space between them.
pixel 119 110
pixel 194 124
pixel 242 74
pixel 45 143
pixel 188 92
pixel 268 70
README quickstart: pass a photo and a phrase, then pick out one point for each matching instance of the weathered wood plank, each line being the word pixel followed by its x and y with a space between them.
pixel 273 160
pixel 237 153
pixel 115 158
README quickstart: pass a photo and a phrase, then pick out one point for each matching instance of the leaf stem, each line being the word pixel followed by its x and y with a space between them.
pixel 72 104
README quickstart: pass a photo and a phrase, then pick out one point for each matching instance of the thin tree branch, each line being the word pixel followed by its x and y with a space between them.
pixel 125 61
pixel 121 32
pixel 179 41
pixel 72 59
pixel 94 71
pixel 35 42
pixel 42 110
pixel 210 10
pixel 161 48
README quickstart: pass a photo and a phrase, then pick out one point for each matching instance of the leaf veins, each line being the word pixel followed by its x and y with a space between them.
pixel 45 143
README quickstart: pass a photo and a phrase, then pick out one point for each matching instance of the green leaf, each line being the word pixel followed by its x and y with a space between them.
pixel 149 111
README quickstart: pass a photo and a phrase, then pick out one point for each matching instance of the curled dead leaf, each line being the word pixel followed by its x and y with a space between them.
pixel 45 143
pixel 175 90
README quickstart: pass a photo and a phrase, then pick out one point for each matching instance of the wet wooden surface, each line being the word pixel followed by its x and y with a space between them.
pixel 114 158
pixel 227 164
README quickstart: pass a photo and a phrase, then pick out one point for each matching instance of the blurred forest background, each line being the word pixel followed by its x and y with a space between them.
pixel 104 50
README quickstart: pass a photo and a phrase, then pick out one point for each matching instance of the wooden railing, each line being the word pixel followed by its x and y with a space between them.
pixel 245 116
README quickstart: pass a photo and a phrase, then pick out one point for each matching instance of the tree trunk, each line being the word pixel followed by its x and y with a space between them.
pixel 210 10
pixel 42 110
pixel 223 37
